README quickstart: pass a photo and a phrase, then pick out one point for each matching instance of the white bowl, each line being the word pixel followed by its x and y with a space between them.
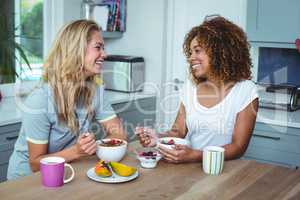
pixel 176 140
pixel 111 153
pixel 148 162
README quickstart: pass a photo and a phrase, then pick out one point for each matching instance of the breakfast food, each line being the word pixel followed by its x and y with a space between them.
pixel 148 157
pixel 168 142
pixel 111 143
pixel 121 169
pixel 105 169
pixel 102 169
pixel 148 154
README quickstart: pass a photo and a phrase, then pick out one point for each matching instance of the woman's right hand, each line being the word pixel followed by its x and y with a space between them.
pixel 86 144
pixel 147 136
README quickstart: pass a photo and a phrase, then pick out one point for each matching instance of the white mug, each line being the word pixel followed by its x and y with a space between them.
pixel 213 160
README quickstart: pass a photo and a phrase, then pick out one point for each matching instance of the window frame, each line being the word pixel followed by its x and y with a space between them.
pixel 53 15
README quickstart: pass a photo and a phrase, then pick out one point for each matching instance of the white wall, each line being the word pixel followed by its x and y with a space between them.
pixel 72 10
pixel 144 36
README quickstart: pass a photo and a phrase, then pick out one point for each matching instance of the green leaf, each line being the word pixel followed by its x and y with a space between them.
pixel 22 54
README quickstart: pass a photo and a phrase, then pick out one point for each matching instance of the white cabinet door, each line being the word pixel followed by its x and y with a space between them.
pixel 176 66
pixel 273 20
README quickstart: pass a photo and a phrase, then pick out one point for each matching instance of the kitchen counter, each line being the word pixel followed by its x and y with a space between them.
pixel 241 179
pixel 10 107
pixel 9 112
pixel 279 117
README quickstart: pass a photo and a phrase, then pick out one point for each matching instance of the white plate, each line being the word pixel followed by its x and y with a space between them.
pixel 112 179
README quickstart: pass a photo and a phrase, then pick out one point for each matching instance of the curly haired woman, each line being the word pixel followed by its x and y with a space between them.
pixel 59 112
pixel 219 105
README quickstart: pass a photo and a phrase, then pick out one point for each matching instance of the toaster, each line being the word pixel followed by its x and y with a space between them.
pixel 282 97
pixel 124 73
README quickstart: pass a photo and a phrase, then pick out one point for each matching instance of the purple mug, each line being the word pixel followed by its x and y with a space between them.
pixel 53 171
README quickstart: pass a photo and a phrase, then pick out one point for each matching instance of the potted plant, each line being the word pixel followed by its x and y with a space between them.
pixel 9 49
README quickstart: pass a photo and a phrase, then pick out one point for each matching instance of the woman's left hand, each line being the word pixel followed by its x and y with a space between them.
pixel 180 154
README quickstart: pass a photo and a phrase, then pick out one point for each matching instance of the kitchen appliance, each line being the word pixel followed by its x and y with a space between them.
pixel 124 73
pixel 283 97
pixel 278 78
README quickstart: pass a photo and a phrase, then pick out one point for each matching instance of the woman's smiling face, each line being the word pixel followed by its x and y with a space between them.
pixel 198 60
pixel 94 55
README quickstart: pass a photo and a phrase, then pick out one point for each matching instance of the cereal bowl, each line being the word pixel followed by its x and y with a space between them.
pixel 148 157
pixel 111 149
pixel 170 142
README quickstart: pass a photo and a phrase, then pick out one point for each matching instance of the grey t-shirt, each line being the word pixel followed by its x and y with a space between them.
pixel 40 125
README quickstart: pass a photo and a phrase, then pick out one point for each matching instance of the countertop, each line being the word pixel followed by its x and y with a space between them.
pixel 240 179
pixel 10 107
pixel 279 117
pixel 9 112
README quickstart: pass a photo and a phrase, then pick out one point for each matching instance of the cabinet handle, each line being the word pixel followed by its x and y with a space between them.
pixel 12 137
pixel 267 137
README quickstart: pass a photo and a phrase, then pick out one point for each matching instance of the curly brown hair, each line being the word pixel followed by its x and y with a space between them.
pixel 226 46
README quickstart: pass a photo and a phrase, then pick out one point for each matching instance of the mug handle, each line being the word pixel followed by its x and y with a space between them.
pixel 73 173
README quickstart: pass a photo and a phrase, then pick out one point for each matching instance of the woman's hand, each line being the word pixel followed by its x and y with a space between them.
pixel 147 136
pixel 180 154
pixel 86 144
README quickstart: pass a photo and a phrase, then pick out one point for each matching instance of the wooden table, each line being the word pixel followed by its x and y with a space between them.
pixel 241 179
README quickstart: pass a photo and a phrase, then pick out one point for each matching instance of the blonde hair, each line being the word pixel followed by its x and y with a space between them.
pixel 62 71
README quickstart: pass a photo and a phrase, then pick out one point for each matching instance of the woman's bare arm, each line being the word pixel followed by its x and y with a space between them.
pixel 242 132
pixel 179 128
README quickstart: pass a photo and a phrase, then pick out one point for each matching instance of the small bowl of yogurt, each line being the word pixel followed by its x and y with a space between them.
pixel 148 157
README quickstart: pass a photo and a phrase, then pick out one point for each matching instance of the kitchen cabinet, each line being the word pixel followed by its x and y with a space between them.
pixel 8 136
pixel 273 20
pixel 275 144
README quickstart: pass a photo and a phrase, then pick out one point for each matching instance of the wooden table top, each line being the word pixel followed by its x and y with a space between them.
pixel 241 179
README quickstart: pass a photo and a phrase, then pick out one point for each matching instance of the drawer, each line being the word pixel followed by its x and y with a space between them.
pixel 273 156
pixel 10 128
pixel 147 104
pixel 273 140
pixel 5 155
pixel 8 140
pixel 3 172
pixel 278 129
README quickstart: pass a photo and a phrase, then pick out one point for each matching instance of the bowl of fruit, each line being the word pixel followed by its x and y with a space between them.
pixel 111 149
pixel 170 142
pixel 148 157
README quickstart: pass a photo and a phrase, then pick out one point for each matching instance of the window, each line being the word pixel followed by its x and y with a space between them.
pixel 12 15
pixel 29 27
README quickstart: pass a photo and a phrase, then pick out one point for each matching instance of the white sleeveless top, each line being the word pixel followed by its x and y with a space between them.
pixel 214 126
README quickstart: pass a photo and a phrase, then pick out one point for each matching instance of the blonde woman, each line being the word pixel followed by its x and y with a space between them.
pixel 60 111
